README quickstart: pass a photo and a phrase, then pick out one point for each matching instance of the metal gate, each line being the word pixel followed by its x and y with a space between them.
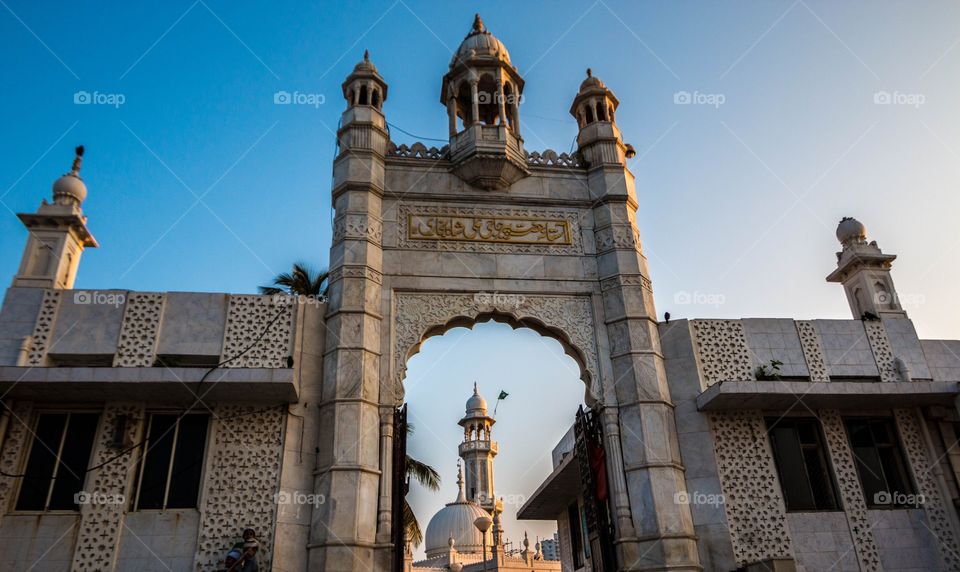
pixel 400 486
pixel 592 459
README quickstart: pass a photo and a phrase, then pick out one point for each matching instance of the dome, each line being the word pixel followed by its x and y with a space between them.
pixel 476 401
pixel 69 186
pixel 480 43
pixel 365 65
pixel 456 521
pixel 851 230
pixel 591 82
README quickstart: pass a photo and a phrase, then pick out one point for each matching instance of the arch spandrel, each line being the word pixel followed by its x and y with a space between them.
pixel 567 318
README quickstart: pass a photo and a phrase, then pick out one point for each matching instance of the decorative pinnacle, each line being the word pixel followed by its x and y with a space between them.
pixel 478 23
pixel 366 55
pixel 589 72
pixel 75 169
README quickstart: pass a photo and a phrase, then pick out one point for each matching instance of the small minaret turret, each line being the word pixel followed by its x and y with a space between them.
pixel 58 235
pixel 595 109
pixel 482 92
pixel 478 451
pixel 864 271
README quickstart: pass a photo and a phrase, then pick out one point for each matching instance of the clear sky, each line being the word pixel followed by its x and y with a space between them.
pixel 800 113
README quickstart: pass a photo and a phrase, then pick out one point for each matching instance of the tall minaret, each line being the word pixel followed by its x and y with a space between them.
pixel 58 235
pixel 864 271
pixel 478 451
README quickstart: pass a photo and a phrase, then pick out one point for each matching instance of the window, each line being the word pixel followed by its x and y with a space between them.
pixel 802 466
pixel 172 463
pixel 57 463
pixel 880 464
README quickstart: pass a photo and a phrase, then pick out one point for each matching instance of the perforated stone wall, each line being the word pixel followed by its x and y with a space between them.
pixel 812 350
pixel 43 331
pixel 939 521
pixel 18 435
pixel 754 507
pixel 248 318
pixel 242 479
pixel 101 518
pixel 137 346
pixel 877 336
pixel 722 350
pixel 851 493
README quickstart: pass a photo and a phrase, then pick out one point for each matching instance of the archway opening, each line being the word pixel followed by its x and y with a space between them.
pixel 543 388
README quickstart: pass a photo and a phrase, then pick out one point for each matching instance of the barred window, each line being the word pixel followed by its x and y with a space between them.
pixel 801 459
pixel 57 462
pixel 172 462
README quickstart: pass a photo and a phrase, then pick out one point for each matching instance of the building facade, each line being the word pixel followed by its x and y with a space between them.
pixel 147 430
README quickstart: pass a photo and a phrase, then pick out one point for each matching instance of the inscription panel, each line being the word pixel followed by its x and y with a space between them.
pixel 474 229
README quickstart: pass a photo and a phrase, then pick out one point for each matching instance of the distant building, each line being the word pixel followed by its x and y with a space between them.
pixel 551 547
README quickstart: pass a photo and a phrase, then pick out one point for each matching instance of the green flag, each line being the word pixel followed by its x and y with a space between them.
pixel 503 394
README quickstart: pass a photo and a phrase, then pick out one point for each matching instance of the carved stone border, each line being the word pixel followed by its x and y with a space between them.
pixel 722 350
pixel 851 493
pixel 241 483
pixel 101 523
pixel 43 329
pixel 752 498
pixel 571 317
pixel 137 345
pixel 882 353
pixel 812 350
pixel 940 524
pixel 571 217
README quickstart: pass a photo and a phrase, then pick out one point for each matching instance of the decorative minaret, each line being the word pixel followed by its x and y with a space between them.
pixel 478 451
pixel 864 271
pixel 58 235
pixel 359 475
pixel 658 524
pixel 482 92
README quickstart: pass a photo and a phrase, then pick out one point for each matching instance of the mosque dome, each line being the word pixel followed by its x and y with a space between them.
pixel 480 43
pixel 71 187
pixel 456 521
pixel 365 65
pixel 851 230
pixel 592 82
pixel 476 402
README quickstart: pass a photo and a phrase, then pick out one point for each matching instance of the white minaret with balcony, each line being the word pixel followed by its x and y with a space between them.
pixel 478 451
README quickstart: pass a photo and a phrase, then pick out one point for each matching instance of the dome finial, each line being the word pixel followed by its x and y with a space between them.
pixel 589 72
pixel 75 169
pixel 461 496
pixel 475 392
pixel 366 55
pixel 478 23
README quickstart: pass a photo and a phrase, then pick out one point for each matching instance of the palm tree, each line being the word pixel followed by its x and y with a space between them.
pixel 426 476
pixel 301 281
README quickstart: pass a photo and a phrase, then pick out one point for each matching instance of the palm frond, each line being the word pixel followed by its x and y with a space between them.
pixel 301 280
pixel 423 473
pixel 410 524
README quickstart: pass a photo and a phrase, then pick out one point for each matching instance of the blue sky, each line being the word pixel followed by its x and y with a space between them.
pixel 738 201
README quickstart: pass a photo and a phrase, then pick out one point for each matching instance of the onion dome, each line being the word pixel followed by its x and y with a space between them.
pixel 591 82
pixel 850 230
pixel 70 189
pixel 480 43
pixel 365 65
pixel 476 403
pixel 455 522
